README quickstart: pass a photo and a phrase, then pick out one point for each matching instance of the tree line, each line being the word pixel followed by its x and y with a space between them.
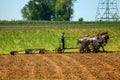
pixel 50 10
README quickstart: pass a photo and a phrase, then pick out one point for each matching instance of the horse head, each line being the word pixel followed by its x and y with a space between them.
pixel 105 37
pixel 79 41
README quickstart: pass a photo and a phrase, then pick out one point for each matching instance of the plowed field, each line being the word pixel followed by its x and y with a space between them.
pixel 73 66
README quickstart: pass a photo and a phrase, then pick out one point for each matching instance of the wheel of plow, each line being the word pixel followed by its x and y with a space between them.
pixel 28 51
pixel 42 51
pixel 13 52
pixel 59 50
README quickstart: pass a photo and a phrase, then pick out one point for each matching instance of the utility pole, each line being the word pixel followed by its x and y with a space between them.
pixel 107 10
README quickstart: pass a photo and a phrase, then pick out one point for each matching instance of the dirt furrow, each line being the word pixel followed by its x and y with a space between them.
pixel 112 59
pixel 65 66
pixel 96 67
pixel 106 69
pixel 8 63
pixel 57 68
pixel 84 70
pixel 110 68
pixel 24 66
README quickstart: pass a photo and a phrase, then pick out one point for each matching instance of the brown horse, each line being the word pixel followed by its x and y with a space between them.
pixel 88 41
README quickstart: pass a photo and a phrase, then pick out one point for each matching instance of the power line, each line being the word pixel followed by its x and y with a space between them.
pixel 107 10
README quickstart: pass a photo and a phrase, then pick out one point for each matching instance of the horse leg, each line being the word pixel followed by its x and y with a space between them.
pixel 88 50
pixel 82 48
pixel 102 48
pixel 94 49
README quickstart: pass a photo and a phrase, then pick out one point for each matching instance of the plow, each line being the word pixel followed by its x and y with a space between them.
pixel 30 51
pixel 42 50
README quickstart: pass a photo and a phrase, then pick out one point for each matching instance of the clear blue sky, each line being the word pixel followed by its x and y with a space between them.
pixel 11 9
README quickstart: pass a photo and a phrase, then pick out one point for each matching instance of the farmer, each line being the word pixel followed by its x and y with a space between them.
pixel 63 40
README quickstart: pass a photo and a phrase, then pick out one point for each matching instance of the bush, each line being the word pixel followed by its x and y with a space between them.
pixel 81 19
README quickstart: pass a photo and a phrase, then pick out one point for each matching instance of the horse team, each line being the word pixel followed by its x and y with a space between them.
pixel 93 43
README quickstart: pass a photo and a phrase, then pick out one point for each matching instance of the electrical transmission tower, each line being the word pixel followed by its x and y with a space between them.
pixel 107 10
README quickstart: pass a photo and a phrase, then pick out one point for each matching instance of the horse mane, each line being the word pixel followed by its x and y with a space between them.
pixel 92 36
pixel 102 33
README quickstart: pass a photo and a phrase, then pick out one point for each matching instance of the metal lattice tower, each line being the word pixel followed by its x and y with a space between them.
pixel 107 10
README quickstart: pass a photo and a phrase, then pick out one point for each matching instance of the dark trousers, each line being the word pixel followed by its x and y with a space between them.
pixel 63 43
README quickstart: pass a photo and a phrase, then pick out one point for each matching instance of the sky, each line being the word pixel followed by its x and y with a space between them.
pixel 86 9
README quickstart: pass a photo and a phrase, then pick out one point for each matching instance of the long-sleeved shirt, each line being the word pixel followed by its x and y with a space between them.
pixel 62 36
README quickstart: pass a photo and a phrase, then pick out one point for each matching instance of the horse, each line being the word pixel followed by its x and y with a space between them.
pixel 85 43
pixel 88 41
pixel 100 43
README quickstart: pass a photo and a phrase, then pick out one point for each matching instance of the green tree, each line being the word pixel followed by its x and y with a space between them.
pixel 60 10
pixel 37 10
pixel 64 10
pixel 81 19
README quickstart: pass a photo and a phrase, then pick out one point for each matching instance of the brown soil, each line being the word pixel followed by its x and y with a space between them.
pixel 73 66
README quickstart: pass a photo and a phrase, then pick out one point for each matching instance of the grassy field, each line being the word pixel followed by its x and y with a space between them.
pixel 19 35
